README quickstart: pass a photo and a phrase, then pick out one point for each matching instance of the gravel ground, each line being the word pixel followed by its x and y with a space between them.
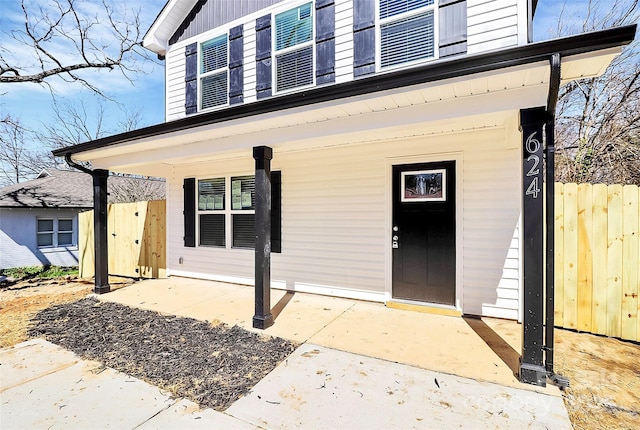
pixel 210 364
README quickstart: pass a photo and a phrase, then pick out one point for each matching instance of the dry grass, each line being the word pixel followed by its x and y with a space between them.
pixel 605 380
pixel 19 304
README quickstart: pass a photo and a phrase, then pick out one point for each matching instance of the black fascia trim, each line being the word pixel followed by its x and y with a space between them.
pixel 432 72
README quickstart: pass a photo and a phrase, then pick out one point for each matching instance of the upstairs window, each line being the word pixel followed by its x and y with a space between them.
pixel 407 31
pixel 294 48
pixel 214 73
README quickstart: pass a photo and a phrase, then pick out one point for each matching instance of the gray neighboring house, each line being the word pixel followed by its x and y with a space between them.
pixel 39 218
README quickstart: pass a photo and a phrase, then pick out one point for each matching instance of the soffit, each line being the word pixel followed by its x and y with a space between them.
pixel 421 109
pixel 165 24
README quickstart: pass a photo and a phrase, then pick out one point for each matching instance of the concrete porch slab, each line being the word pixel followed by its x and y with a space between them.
pixel 318 388
pixel 481 349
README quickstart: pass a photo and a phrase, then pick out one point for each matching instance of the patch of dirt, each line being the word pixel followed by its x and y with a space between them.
pixel 212 365
pixel 21 301
pixel 605 380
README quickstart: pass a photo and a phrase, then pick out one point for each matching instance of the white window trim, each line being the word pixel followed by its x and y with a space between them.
pixel 275 53
pixel 213 72
pixel 227 211
pixel 56 231
pixel 381 22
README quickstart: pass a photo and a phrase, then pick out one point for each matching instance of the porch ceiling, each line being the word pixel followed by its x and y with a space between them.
pixel 411 111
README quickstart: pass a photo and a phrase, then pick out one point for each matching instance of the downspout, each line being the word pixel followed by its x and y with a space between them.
pixel 554 87
pixel 101 260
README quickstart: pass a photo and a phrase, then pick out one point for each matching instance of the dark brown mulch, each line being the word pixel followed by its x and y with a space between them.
pixel 210 365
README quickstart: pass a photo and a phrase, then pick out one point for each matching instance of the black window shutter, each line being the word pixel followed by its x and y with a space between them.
pixel 453 27
pixel 276 211
pixel 189 188
pixel 325 41
pixel 364 37
pixel 236 63
pixel 263 56
pixel 191 79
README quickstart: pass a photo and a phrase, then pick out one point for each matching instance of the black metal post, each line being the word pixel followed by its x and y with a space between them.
pixel 100 231
pixel 550 263
pixel 532 370
pixel 263 317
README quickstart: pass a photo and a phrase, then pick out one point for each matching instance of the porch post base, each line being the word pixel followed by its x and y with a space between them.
pixel 262 322
pixel 101 289
pixel 533 374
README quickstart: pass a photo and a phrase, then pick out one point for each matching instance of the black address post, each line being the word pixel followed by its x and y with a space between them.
pixel 532 369
pixel 263 318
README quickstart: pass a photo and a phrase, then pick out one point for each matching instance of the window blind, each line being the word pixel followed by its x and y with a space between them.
pixel 407 39
pixel 389 8
pixel 214 87
pixel 294 27
pixel 294 69
pixel 212 231
pixel 213 54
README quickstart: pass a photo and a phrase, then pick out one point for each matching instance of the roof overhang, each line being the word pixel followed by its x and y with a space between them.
pixel 165 25
pixel 439 92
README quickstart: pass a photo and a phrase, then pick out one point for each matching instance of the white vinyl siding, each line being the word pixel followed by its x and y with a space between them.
pixel 175 72
pixel 250 61
pixel 492 24
pixel 334 227
pixel 19 241
pixel 344 41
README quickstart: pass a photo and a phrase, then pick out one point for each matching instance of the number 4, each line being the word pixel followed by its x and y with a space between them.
pixel 533 189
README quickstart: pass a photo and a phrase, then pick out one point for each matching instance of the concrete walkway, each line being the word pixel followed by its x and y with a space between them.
pixel 361 366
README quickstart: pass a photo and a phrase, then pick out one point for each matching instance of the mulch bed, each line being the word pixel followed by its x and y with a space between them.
pixel 210 365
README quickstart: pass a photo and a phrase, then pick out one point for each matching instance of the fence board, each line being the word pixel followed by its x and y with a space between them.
pixel 559 255
pixel 136 240
pixel 570 310
pixel 630 262
pixel 585 257
pixel 599 250
pixel 614 261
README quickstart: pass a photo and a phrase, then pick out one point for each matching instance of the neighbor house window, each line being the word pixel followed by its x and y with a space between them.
pixel 294 48
pixel 53 232
pixel 45 232
pixel 226 208
pixel 407 31
pixel 65 232
pixel 214 73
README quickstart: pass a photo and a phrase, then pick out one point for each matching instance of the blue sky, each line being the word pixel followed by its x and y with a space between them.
pixel 31 103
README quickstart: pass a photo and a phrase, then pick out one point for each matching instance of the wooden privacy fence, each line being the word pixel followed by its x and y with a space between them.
pixel 597 229
pixel 136 240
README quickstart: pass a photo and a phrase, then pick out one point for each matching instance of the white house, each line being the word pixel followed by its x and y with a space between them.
pixel 39 218
pixel 385 150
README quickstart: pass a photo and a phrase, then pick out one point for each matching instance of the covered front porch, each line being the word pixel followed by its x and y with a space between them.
pixel 482 349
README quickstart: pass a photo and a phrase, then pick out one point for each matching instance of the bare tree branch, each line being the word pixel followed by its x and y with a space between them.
pixel 66 39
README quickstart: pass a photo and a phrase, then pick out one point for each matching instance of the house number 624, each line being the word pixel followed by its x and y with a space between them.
pixel 533 145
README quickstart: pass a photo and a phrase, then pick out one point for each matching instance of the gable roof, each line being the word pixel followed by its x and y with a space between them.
pixel 55 188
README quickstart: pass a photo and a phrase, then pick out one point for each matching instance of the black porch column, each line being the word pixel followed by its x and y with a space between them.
pixel 100 231
pixel 263 318
pixel 532 369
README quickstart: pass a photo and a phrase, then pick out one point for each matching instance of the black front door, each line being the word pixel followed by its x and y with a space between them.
pixel 424 232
